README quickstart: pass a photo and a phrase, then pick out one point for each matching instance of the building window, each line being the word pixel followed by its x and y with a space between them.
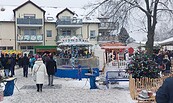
pixel 10 48
pixel 65 18
pixel 26 32
pixel 49 33
pixel 2 48
pixel 92 34
pixel 50 18
pixel 29 31
pixel 66 33
pixel 29 16
pixel 30 47
pixel 23 47
pixel 32 31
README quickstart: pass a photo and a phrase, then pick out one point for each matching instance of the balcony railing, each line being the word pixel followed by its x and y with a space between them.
pixel 24 21
pixel 60 36
pixel 103 38
pixel 30 38
pixel 69 22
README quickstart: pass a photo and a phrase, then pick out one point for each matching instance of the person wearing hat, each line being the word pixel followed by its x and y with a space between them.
pixel 39 69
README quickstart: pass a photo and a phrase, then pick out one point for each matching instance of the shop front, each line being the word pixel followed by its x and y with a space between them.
pixel 45 49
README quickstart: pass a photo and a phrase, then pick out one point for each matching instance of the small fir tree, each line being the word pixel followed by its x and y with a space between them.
pixel 123 35
pixel 142 65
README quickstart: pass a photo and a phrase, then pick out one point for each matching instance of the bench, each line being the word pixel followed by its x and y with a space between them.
pixel 116 76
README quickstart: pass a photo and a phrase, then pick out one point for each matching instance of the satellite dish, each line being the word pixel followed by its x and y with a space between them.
pixel 2 9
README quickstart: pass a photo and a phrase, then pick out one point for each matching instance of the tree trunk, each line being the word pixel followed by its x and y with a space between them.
pixel 150 36
pixel 150 42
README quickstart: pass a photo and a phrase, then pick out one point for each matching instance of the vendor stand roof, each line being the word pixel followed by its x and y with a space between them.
pixel 114 45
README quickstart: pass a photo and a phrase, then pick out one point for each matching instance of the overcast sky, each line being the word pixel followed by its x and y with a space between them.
pixel 56 3
pixel 68 3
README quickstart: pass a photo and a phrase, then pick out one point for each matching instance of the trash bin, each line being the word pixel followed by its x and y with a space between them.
pixel 93 82
pixel 9 88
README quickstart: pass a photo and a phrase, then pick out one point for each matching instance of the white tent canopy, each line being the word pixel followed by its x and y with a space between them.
pixel 74 41
pixel 167 41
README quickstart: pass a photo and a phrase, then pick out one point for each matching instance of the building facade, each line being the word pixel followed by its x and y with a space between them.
pixel 31 28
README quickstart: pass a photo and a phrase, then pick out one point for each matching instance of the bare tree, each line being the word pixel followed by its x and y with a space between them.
pixel 153 11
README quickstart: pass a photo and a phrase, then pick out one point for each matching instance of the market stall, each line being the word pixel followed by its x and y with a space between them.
pixel 114 51
pixel 76 59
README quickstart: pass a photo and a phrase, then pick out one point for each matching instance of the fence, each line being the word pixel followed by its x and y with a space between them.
pixel 145 83
pixel 121 64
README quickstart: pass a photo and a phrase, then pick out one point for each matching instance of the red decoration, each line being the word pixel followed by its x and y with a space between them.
pixel 130 50
pixel 121 50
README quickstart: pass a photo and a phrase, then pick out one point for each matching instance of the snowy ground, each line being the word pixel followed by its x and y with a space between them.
pixel 67 91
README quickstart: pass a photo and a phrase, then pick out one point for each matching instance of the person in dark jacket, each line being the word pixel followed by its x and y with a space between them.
pixel 25 63
pixel 51 69
pixel 13 63
pixel 7 63
pixel 167 65
pixel 2 60
pixel 165 92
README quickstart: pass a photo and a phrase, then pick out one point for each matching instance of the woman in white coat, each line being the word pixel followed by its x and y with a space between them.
pixel 39 69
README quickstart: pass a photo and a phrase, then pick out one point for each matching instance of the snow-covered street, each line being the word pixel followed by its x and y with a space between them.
pixel 67 91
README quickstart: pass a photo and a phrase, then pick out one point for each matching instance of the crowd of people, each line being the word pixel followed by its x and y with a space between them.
pixel 40 66
pixel 163 59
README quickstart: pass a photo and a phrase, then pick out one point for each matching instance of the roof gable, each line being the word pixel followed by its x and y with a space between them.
pixel 66 9
pixel 27 3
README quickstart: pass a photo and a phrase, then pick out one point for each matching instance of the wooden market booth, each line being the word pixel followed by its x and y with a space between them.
pixel 114 51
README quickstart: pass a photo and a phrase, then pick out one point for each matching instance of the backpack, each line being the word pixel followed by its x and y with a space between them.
pixel 9 61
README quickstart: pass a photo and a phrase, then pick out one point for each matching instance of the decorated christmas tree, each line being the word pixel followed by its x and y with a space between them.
pixel 142 65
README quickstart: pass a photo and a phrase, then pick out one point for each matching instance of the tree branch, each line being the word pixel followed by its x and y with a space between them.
pixel 136 5
pixel 97 7
pixel 165 10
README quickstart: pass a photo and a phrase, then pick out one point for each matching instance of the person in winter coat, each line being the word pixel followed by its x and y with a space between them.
pixel 13 63
pixel 32 61
pixel 51 69
pixel 7 63
pixel 164 93
pixel 39 69
pixel 167 65
pixel 25 63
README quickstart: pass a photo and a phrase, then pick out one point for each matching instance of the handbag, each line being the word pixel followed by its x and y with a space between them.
pixel 34 75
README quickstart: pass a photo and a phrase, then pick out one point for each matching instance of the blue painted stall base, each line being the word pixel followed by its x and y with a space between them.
pixel 73 73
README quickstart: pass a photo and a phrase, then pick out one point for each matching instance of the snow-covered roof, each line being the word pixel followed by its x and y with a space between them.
pixel 7 14
pixel 167 41
pixel 156 43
